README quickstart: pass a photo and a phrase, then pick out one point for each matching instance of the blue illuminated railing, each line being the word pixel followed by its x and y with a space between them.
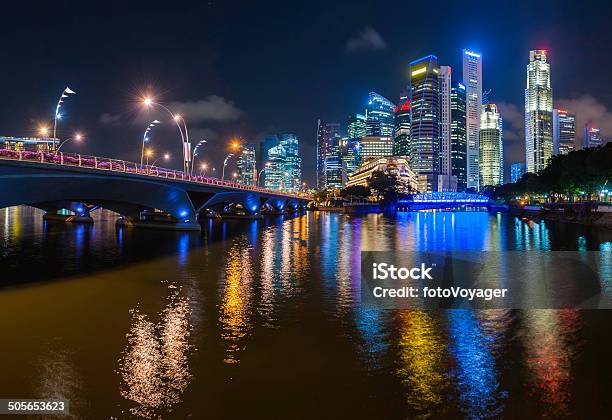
pixel 116 165
pixel 446 197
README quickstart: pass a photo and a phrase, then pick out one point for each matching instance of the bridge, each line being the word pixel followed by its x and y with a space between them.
pixel 434 200
pixel 147 196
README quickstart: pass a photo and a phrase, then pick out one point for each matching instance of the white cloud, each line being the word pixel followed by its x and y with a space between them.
pixel 367 40
pixel 110 119
pixel 212 108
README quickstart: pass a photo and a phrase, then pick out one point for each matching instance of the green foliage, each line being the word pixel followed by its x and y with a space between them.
pixel 384 186
pixel 355 191
pixel 583 171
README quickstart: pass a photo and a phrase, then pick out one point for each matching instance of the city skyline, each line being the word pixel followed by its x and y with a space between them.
pixel 226 104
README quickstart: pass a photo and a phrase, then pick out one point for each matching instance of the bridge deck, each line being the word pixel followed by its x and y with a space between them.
pixel 120 166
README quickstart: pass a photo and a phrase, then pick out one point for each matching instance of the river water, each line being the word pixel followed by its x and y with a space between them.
pixel 262 319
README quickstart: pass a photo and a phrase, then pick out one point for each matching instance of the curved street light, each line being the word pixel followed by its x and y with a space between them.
pixel 58 116
pixel 145 138
pixel 195 153
pixel 77 137
pixel 224 165
pixel 148 102
pixel 266 166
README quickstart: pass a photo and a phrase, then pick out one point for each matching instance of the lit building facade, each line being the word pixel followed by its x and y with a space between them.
pixel 379 116
pixel 458 136
pixel 283 165
pixel 472 80
pixel 448 183
pixel 538 113
pixel 424 149
pixel 401 134
pixel 491 156
pixel 376 146
pixel 564 132
pixel 328 138
pixel 356 126
pixel 591 137
pixel 247 165
pixel 29 144
pixel 517 170
pixel 397 166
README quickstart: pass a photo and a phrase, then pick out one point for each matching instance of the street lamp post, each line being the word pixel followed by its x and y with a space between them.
pixel 267 165
pixel 203 169
pixel 224 165
pixel 58 116
pixel 145 138
pixel 195 154
pixel 184 135
pixel 77 137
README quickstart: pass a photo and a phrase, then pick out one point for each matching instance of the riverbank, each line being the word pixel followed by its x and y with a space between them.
pixel 593 218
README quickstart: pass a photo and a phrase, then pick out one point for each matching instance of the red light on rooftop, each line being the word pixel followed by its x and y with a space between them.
pixel 405 106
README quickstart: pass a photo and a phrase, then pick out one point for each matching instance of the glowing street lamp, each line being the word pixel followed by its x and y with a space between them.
pixel 166 158
pixel 43 131
pixel 58 116
pixel 149 102
pixel 77 137
pixel 195 153
pixel 203 169
pixel 145 137
pixel 224 165
pixel 266 166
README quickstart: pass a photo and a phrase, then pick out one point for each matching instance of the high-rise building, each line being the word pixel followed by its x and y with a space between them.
pixel 379 116
pixel 333 169
pixel 458 136
pixel 292 169
pixel 472 80
pixel 491 154
pixel 376 146
pixel 350 154
pixel 591 137
pixel 517 170
pixel 356 126
pixel 401 134
pixel 538 113
pixel 445 85
pixel 247 165
pixel 328 137
pixel 284 165
pixel 564 132
pixel 424 149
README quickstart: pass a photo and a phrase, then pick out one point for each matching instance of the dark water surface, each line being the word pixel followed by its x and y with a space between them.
pixel 261 319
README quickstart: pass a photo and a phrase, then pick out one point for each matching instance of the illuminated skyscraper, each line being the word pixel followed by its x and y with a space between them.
pixel 247 165
pixel 424 148
pixel 591 137
pixel 564 132
pixel 472 80
pixel 376 146
pixel 328 137
pixel 517 170
pixel 356 126
pixel 458 136
pixel 284 171
pixel 444 85
pixel 538 113
pixel 379 116
pixel 401 134
pixel 491 154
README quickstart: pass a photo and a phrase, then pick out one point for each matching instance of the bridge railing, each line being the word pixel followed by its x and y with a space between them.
pixel 117 165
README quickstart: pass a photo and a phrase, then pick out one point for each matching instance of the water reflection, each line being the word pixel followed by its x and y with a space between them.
pixel 155 366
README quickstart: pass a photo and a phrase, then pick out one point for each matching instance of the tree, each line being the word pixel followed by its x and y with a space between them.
pixel 355 191
pixel 384 186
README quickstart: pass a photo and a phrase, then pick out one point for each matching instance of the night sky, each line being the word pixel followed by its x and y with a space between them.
pixel 251 68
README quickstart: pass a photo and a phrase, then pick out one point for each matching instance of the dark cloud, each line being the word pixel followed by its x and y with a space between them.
pixel 514 132
pixel 367 40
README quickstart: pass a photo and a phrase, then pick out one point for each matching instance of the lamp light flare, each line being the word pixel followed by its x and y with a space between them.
pixel 147 101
